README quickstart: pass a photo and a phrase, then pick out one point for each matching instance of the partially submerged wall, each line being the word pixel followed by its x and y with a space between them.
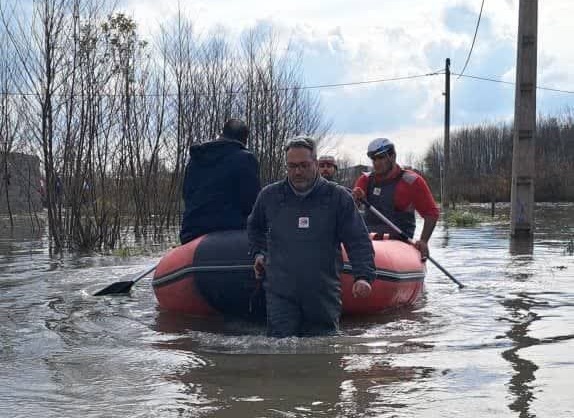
pixel 20 183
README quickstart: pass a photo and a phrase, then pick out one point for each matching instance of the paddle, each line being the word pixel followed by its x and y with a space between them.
pixel 118 288
pixel 406 238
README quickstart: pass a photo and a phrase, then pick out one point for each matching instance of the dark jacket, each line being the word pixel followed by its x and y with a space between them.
pixel 301 238
pixel 220 186
pixel 382 196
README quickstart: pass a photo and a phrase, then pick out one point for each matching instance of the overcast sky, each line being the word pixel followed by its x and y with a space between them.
pixel 351 41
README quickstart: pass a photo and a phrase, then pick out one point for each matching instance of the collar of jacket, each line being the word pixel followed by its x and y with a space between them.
pixel 393 175
pixel 318 181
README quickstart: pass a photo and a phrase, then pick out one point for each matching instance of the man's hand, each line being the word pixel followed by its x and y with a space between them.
pixel 358 193
pixel 361 289
pixel 423 248
pixel 259 266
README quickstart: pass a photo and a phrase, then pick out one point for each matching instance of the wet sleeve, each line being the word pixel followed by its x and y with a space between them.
pixel 249 185
pixel 257 226
pixel 354 235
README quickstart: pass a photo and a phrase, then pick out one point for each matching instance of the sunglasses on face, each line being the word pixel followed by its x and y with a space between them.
pixel 326 165
pixel 379 156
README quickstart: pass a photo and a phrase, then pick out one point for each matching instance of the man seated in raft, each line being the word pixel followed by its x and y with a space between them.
pixel 327 167
pixel 221 183
pixel 397 194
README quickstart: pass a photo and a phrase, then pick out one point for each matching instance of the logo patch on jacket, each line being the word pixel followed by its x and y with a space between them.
pixel 377 191
pixel 304 222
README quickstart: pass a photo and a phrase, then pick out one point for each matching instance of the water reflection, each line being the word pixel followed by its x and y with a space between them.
pixel 374 386
pixel 445 236
pixel 232 370
pixel 520 385
pixel 283 383
pixel 521 246
pixel 528 268
pixel 505 339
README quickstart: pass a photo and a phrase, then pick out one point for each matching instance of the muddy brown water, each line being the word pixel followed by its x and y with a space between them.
pixel 503 346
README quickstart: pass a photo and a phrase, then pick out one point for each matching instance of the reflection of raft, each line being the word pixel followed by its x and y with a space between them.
pixel 213 274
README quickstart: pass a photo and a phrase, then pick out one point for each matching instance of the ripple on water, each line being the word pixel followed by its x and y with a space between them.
pixel 502 346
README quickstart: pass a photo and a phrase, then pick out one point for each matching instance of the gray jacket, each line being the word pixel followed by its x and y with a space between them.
pixel 301 236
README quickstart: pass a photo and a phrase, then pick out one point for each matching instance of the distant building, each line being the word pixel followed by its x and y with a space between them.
pixel 20 183
pixel 347 176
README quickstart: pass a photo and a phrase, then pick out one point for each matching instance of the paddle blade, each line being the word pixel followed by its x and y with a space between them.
pixel 117 288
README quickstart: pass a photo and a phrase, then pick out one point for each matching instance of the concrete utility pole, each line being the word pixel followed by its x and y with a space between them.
pixel 523 161
pixel 445 193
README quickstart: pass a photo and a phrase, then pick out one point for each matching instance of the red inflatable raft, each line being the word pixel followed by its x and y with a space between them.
pixel 213 274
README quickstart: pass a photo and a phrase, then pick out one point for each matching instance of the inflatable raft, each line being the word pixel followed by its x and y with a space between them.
pixel 213 274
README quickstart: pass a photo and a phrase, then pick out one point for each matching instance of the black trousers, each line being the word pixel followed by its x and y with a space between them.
pixel 292 317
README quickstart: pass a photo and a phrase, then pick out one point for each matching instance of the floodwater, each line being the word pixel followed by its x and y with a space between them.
pixel 503 346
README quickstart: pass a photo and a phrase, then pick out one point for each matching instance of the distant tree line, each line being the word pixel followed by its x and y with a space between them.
pixel 112 116
pixel 481 161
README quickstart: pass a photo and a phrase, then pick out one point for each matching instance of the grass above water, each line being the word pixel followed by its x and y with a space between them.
pixel 463 218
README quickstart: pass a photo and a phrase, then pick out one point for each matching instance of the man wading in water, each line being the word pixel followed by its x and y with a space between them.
pixel 295 231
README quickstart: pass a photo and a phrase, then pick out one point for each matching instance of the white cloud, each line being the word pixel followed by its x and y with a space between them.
pixel 345 41
pixel 409 142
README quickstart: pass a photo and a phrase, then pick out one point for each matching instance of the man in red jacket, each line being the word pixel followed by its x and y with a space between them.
pixel 397 194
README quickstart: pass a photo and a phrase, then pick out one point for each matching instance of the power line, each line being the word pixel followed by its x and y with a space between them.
pixel 356 83
pixel 473 40
pixel 556 90
pixel 311 87
pixel 316 86
pixel 476 77
pixel 494 80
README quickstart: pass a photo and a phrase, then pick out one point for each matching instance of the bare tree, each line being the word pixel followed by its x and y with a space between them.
pixel 481 158
pixel 112 116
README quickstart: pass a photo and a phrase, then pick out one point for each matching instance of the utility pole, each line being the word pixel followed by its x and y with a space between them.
pixel 523 153
pixel 445 195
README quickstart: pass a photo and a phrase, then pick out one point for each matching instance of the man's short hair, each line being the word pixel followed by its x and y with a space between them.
pixel 302 142
pixel 236 129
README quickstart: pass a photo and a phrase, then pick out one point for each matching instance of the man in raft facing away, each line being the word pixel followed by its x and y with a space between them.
pixel 295 232
pixel 396 193
pixel 221 183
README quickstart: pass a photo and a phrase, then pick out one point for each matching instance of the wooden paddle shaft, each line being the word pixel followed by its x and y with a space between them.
pixel 407 239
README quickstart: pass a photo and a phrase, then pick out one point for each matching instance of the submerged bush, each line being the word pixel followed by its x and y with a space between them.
pixel 463 218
